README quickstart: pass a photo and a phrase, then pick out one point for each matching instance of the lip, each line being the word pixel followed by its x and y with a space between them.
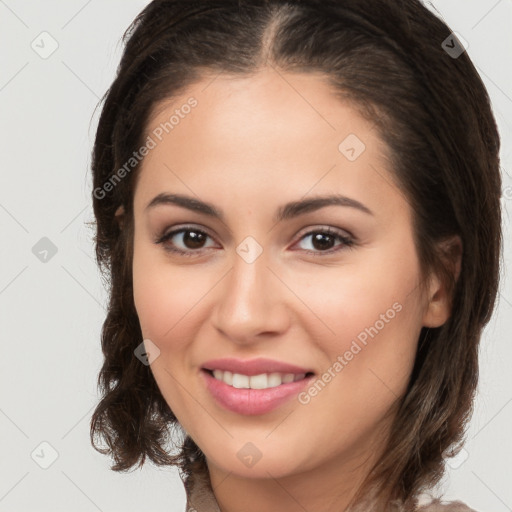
pixel 253 366
pixel 252 402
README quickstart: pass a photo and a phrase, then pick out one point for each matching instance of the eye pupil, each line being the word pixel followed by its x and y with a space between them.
pixel 318 237
pixel 193 239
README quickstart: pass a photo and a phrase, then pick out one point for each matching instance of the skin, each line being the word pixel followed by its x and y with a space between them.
pixel 248 147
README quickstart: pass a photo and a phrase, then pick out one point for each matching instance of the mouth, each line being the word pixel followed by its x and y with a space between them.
pixel 269 392
pixel 257 382
pixel 254 386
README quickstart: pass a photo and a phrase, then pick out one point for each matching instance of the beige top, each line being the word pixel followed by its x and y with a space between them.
pixel 202 499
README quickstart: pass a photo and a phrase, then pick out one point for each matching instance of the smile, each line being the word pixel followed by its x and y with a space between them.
pixel 242 398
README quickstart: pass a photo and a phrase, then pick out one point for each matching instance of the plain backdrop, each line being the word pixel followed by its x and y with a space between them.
pixel 52 301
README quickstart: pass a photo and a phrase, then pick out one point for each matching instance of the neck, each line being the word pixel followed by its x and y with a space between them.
pixel 329 487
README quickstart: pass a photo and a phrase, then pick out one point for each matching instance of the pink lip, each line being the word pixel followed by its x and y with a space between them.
pixel 253 366
pixel 252 401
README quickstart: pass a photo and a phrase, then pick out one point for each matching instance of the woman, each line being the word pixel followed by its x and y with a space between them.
pixel 298 210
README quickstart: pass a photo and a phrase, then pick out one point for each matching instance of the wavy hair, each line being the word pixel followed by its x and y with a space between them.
pixel 389 59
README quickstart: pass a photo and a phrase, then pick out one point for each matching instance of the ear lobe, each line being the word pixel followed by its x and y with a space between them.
pixel 440 297
pixel 119 216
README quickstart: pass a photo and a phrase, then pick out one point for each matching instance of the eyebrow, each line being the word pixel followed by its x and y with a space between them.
pixel 284 212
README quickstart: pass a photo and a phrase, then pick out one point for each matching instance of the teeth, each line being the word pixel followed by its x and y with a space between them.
pixel 262 381
pixel 240 381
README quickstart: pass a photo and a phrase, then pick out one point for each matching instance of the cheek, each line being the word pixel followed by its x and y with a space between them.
pixel 369 359
pixel 170 300
pixel 164 299
pixel 373 313
pixel 161 296
pixel 355 299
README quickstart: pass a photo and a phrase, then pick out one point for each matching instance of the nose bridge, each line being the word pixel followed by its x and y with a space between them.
pixel 249 281
pixel 249 299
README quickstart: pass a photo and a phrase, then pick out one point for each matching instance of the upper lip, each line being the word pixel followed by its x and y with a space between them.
pixel 253 366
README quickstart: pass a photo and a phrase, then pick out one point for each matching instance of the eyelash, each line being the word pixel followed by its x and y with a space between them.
pixel 347 241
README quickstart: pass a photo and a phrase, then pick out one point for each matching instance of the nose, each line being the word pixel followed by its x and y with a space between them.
pixel 251 302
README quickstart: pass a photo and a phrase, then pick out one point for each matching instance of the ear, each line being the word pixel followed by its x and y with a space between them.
pixel 119 216
pixel 440 300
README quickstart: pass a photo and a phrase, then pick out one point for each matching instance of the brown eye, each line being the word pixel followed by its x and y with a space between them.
pixel 193 239
pixel 323 241
pixel 185 241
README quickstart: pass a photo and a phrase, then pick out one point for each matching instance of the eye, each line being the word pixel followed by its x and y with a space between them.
pixel 322 239
pixel 191 240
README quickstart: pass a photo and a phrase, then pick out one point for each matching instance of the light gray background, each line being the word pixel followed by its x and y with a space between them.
pixel 51 313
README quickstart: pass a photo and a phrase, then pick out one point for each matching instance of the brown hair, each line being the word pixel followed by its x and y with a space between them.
pixel 386 57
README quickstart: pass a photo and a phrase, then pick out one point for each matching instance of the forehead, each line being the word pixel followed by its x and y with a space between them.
pixel 266 101
pixel 261 132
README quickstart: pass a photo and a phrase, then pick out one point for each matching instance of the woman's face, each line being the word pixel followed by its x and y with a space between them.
pixel 265 280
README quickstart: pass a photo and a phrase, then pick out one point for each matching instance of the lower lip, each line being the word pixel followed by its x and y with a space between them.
pixel 252 401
